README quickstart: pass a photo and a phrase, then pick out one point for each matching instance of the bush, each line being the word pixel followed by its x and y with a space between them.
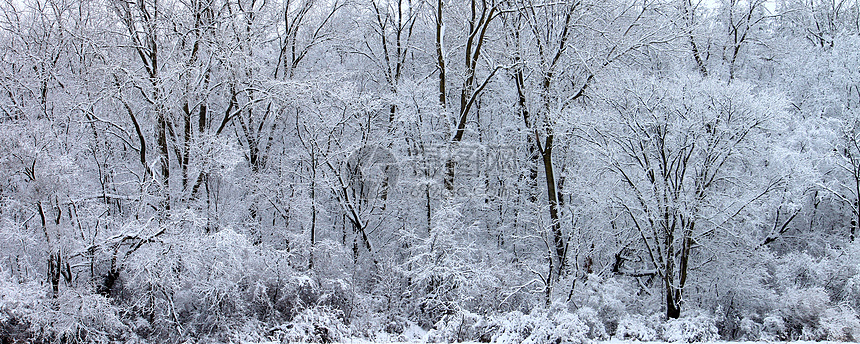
pixel 313 325
pixel 839 324
pixel 697 327
pixel 852 290
pixel 801 309
pixel 28 314
pixel 635 327
pixel 554 326
pixel 591 318
pixel 611 299
pixel 80 318
pixel 748 329
pixel 18 304
pixel 559 327
pixel 773 329
pixel 457 327
pixel 512 327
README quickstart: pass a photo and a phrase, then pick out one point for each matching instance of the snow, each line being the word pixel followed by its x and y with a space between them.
pixel 364 341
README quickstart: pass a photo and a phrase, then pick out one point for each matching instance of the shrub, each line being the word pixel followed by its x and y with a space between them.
pixel 313 325
pixel 609 297
pixel 773 328
pixel 801 309
pixel 457 327
pixel 18 304
pixel 512 327
pixel 748 329
pixel 852 290
pixel 697 327
pixel 89 318
pixel 559 327
pixel 635 327
pixel 591 318
pixel 541 326
pixel 839 324
pixel 28 314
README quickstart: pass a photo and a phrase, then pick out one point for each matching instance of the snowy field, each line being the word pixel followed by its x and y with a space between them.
pixel 363 341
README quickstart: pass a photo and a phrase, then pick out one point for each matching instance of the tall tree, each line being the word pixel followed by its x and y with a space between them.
pixel 480 16
pixel 681 148
pixel 561 48
pixel 143 21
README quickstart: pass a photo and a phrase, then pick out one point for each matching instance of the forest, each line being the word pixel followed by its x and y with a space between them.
pixel 505 171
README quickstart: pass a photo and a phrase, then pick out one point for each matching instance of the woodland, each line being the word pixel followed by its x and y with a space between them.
pixel 506 171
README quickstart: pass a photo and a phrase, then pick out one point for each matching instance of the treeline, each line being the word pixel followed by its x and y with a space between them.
pixel 487 170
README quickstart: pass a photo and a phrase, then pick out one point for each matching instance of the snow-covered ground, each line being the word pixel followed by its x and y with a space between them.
pixel 365 341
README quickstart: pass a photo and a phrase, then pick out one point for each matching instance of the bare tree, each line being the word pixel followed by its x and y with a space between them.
pixel 742 19
pixel 555 67
pixel 141 19
pixel 394 23
pixel 480 17
pixel 680 152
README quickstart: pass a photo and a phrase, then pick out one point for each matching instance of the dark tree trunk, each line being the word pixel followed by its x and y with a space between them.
pixel 673 308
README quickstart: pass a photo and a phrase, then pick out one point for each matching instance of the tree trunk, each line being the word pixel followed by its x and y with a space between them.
pixel 690 14
pixel 440 57
pixel 552 197
pixel 673 308
pixel 531 143
pixel 313 209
